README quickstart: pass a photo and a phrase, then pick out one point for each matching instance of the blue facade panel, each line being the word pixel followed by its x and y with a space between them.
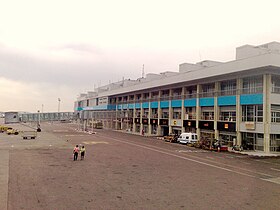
pixel 190 102
pixel 154 105
pixel 131 106
pixel 251 99
pixel 124 106
pixel 206 102
pixel 120 106
pixel 227 101
pixel 145 105
pixel 164 104
pixel 112 107
pixel 176 103
pixel 137 106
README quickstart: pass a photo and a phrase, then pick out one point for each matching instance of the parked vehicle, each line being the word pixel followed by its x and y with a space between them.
pixel 29 134
pixel 187 138
pixel 171 138
pixel 11 131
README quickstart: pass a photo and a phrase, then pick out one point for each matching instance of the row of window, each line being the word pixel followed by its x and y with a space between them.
pixel 250 113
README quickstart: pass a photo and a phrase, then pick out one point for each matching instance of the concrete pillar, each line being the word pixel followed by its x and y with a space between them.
pixel 266 111
pixel 149 116
pixel 170 110
pixel 198 111
pixel 216 109
pixel 159 132
pixel 183 111
pixel 238 111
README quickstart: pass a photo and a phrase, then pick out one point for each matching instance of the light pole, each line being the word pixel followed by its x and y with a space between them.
pixel 42 108
pixel 59 104
pixel 58 114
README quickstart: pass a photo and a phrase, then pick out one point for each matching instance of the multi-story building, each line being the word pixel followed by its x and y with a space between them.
pixel 237 101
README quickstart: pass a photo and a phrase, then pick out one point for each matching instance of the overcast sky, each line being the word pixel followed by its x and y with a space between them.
pixel 52 49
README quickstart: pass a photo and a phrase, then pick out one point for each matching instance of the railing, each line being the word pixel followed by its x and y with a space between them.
pixel 258 89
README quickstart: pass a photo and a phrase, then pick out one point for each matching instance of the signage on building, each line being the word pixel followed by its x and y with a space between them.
pixel 176 123
pixel 145 121
pixel 163 122
pixel 226 126
pixel 250 125
pixel 189 123
pixel 137 120
pixel 208 125
pixel 153 121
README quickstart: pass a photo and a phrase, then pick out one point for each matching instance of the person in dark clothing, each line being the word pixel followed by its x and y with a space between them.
pixel 76 152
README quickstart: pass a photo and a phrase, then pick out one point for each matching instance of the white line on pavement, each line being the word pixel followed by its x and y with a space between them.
pixel 275 169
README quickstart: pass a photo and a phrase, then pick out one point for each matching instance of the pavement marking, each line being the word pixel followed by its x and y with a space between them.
pixel 191 151
pixel 275 180
pixel 263 161
pixel 210 158
pixel 204 163
pixel 60 130
pixel 75 135
pixel 275 169
pixel 95 142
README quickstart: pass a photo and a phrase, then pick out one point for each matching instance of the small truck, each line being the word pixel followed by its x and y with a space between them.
pixel 29 134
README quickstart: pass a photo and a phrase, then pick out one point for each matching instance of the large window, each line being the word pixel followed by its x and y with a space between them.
pixel 252 113
pixel 207 90
pixel 228 87
pixel 227 113
pixel 252 85
pixel 190 113
pixel 191 92
pixel 207 113
pixel 275 113
pixel 177 113
pixel 165 113
pixel 275 84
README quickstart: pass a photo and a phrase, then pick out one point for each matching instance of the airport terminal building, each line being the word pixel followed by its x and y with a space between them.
pixel 237 102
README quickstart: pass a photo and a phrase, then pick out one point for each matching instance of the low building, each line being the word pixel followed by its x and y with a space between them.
pixel 237 101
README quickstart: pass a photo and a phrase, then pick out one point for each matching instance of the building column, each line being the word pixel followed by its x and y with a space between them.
pixel 238 111
pixel 170 110
pixel 266 111
pixel 198 111
pixel 183 111
pixel 216 109
pixel 159 132
pixel 149 116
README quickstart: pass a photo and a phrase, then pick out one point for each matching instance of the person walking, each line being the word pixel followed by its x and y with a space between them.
pixel 83 152
pixel 76 152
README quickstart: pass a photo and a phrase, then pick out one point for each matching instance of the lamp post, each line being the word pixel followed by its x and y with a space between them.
pixel 58 114
pixel 59 104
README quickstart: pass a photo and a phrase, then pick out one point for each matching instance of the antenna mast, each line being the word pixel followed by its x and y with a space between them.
pixel 143 73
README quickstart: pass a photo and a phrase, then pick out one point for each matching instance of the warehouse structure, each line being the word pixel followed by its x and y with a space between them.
pixel 237 102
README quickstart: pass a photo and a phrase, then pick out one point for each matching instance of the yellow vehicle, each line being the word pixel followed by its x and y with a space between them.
pixel 12 131
pixel 4 128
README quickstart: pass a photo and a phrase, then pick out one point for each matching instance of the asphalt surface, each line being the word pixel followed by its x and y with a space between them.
pixel 124 171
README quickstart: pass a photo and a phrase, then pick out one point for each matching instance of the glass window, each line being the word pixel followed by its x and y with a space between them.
pixel 252 85
pixel 252 113
pixel 228 87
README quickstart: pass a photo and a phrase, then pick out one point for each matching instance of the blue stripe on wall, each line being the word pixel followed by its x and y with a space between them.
pixel 145 105
pixel 154 105
pixel 137 106
pixel 124 106
pixel 206 102
pixel 190 102
pixel 226 100
pixel 131 106
pixel 176 103
pixel 251 99
pixel 164 104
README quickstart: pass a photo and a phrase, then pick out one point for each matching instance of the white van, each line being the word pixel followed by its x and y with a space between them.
pixel 187 138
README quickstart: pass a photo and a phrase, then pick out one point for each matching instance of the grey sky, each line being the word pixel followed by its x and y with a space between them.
pixel 58 49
